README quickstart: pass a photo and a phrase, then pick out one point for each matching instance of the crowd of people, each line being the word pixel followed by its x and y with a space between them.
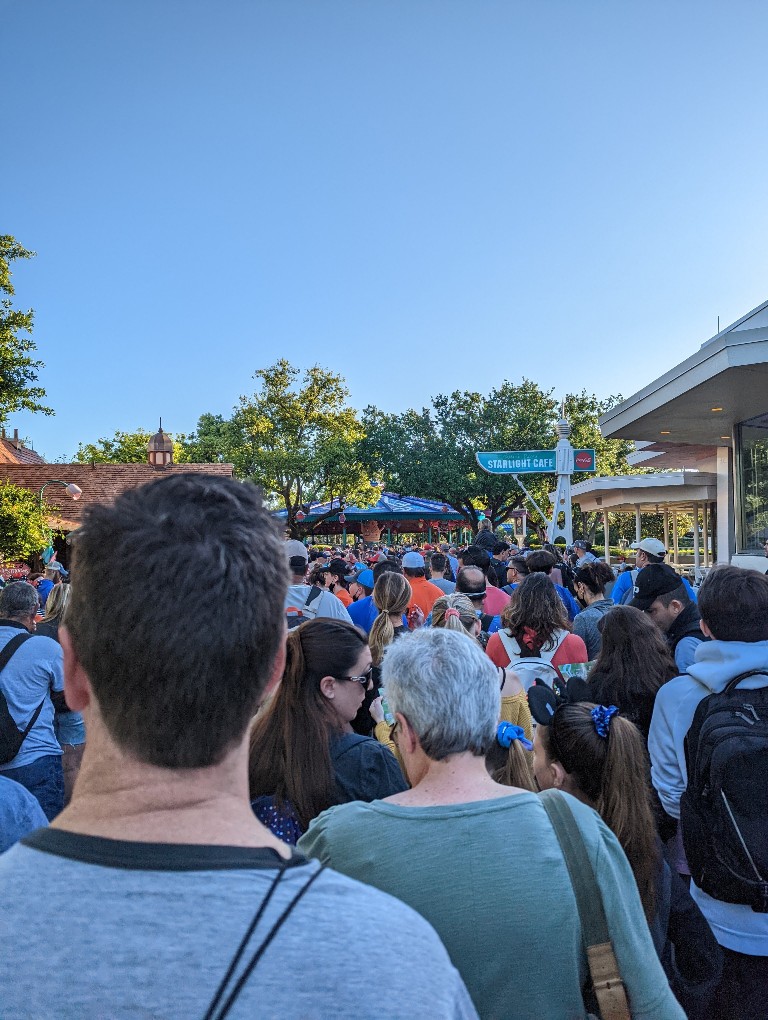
pixel 522 786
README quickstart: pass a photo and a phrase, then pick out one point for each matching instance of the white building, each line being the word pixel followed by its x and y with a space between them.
pixel 710 413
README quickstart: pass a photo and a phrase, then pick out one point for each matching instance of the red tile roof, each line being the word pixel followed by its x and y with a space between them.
pixel 10 453
pixel 101 483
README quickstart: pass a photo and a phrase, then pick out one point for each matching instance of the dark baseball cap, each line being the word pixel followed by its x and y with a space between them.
pixel 654 580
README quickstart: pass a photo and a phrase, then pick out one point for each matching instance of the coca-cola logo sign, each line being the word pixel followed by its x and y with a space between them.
pixel 584 460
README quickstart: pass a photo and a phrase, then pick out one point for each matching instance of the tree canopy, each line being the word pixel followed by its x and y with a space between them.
pixel 432 452
pixel 297 438
pixel 18 369
pixel 23 523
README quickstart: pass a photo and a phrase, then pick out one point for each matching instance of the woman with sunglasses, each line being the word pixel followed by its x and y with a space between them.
pixel 304 756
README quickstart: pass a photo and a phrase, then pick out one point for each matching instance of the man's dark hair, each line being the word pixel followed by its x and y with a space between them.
pixel 540 562
pixel 474 556
pixel 298 566
pixel 414 571
pixel 18 599
pixel 383 566
pixel 470 581
pixel 680 594
pixel 437 561
pixel 653 558
pixel 500 547
pixel 734 604
pixel 520 563
pixel 179 650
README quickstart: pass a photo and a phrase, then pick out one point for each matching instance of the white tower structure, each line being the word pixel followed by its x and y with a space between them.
pixel 564 467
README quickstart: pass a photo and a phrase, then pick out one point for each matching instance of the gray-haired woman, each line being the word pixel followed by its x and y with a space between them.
pixel 480 861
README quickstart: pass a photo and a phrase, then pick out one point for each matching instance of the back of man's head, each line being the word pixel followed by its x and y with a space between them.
pixel 733 603
pixel 437 563
pixel 500 547
pixel 471 581
pixel 18 601
pixel 179 651
pixel 540 562
pixel 383 566
pixel 474 556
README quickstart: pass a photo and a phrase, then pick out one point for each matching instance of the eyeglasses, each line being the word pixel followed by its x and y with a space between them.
pixel 365 679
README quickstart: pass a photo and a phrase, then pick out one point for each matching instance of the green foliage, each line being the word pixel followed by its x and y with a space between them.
pixel 297 439
pixel 18 370
pixel 214 440
pixel 23 527
pixel 123 448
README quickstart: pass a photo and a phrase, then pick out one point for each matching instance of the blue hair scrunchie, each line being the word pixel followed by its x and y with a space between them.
pixel 601 717
pixel 506 732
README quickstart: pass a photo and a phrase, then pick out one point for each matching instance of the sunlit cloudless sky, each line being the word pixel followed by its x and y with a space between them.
pixel 422 195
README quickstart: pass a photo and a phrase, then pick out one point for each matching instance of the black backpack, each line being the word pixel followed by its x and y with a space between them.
pixel 724 810
pixel 11 737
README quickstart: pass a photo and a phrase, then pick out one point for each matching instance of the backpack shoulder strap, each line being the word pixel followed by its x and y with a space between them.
pixel 13 645
pixel 511 647
pixel 549 654
pixel 606 980
pixel 314 593
pixel 743 676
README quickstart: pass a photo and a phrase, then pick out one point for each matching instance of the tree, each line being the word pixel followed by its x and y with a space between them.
pixel 431 452
pixel 124 448
pixel 18 370
pixel 23 523
pixel 300 443
pixel 214 440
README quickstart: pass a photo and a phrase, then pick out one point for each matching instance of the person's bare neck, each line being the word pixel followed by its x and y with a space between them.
pixel 118 797
pixel 459 779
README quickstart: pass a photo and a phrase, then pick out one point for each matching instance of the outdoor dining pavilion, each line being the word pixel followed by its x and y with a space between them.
pixel 389 520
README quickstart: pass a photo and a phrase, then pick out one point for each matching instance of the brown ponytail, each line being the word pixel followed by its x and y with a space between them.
pixel 391 594
pixel 612 773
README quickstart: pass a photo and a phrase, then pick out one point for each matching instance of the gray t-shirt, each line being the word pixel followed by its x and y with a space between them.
pixel 94 928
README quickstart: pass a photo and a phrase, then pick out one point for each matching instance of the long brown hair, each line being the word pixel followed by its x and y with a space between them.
pixel 633 662
pixel 391 594
pixel 535 604
pixel 290 738
pixel 612 772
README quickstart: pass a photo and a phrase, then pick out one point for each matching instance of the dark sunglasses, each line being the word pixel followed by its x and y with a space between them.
pixel 365 679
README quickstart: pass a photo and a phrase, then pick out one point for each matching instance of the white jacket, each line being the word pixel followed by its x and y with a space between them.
pixel 735 925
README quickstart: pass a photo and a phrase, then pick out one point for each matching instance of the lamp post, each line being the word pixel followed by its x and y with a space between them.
pixel 75 492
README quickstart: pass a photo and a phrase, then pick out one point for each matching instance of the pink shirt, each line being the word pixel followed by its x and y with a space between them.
pixel 495 600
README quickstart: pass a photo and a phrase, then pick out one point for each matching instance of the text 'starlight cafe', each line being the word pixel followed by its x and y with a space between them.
pixel 711 413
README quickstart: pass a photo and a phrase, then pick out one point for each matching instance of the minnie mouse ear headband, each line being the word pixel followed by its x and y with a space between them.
pixel 543 701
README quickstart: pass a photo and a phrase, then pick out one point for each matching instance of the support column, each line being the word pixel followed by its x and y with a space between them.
pixel 675 536
pixel 666 528
pixel 705 529
pixel 607 538
pixel 726 523
pixel 638 523
pixel 696 553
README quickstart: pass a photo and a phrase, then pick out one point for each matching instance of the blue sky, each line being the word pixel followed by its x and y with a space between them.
pixel 419 194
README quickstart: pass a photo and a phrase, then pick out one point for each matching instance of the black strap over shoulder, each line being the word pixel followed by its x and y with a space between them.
pixel 743 676
pixel 13 645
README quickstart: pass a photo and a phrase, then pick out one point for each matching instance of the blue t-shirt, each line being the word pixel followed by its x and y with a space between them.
pixel 36 669
pixel 20 813
pixel 625 582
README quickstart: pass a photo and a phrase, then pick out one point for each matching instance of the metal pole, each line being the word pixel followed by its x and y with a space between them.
pixel 705 529
pixel 607 538
pixel 638 523
pixel 675 536
pixel 666 528
pixel 696 553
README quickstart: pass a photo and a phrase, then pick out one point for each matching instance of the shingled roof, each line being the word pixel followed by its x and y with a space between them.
pixel 101 483
pixel 13 451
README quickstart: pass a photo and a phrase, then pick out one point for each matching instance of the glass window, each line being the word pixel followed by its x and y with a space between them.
pixel 753 481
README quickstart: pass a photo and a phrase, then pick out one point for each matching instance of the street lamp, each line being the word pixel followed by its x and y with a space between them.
pixel 74 490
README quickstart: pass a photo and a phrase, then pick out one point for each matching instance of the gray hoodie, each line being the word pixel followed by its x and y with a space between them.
pixel 736 926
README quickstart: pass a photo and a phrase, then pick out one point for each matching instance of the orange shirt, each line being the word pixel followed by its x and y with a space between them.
pixel 424 594
pixel 343 596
